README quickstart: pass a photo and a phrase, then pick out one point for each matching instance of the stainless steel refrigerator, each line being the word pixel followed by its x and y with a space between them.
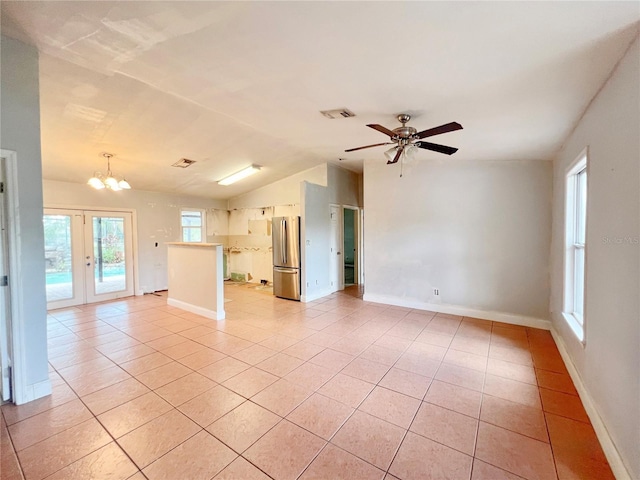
pixel 286 257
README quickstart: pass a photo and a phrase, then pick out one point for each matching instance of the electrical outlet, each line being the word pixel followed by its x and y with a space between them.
pixel 316 282
pixel 436 292
pixel 307 284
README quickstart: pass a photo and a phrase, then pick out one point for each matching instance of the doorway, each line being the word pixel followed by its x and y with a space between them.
pixel 88 256
pixel 336 268
pixel 350 248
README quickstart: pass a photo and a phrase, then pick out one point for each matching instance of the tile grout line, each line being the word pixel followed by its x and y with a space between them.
pixel 420 406
pixel 13 447
pixel 546 423
pixel 241 323
pixel 114 440
pixel 316 391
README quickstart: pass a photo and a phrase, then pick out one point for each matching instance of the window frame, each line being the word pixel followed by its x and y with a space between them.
pixel 202 227
pixel 574 286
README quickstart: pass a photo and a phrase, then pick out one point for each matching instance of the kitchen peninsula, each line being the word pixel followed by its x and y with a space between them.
pixel 196 278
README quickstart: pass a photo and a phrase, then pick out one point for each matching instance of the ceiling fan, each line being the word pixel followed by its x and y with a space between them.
pixel 408 138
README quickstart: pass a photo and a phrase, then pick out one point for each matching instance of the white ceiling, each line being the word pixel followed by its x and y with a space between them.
pixel 234 83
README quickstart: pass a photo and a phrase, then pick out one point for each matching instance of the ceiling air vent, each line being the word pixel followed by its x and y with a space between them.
pixel 338 113
pixel 183 163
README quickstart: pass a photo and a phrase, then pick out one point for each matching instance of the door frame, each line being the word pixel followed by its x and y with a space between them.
pixel 338 257
pixel 361 246
pixel 134 233
pixel 15 324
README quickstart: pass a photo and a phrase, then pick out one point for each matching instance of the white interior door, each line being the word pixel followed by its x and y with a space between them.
pixel 63 253
pixel 89 256
pixel 5 306
pixel 108 250
pixel 336 267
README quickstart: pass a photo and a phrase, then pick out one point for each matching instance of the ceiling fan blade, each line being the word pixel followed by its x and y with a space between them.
pixel 368 146
pixel 436 148
pixel 382 129
pixel 397 157
pixel 446 128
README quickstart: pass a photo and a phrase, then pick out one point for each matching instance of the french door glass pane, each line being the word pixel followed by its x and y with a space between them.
pixel 58 260
pixel 109 255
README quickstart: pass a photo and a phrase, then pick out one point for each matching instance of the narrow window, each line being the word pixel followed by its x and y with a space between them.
pixel 192 223
pixel 575 242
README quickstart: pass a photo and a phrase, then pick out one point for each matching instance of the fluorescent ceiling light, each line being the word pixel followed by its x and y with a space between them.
pixel 244 173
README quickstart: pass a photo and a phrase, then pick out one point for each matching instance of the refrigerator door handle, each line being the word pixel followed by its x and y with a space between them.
pixel 284 242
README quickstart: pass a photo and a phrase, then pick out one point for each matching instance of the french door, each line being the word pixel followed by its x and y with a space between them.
pixel 89 256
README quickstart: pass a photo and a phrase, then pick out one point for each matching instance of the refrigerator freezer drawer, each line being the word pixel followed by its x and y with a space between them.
pixel 286 283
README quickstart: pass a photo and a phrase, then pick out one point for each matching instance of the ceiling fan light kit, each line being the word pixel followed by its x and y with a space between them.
pixel 408 139
pixel 99 181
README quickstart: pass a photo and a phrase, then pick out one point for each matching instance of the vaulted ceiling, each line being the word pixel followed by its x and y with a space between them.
pixel 230 84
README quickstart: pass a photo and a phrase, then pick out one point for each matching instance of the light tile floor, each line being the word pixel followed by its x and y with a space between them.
pixel 64 291
pixel 336 388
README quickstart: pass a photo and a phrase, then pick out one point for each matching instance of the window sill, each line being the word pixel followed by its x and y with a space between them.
pixel 575 326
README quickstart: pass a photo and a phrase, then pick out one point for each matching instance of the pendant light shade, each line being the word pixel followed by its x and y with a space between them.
pixel 111 183
pixel 409 153
pixel 391 153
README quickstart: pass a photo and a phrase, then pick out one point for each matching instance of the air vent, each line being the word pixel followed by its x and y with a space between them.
pixel 338 113
pixel 183 163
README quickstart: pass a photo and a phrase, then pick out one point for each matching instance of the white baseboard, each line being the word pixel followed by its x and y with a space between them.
pixel 33 392
pixel 205 312
pixel 461 311
pixel 611 452
pixel 315 296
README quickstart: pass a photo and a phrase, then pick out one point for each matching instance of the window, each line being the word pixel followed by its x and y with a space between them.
pixel 575 242
pixel 193 227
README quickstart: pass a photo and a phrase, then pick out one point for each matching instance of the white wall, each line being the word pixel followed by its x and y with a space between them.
pixel 282 192
pixel 315 241
pixel 344 186
pixel 249 243
pixel 478 231
pixel 158 216
pixel 609 362
pixel 20 132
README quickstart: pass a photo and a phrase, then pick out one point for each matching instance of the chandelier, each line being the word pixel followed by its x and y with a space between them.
pixel 99 181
